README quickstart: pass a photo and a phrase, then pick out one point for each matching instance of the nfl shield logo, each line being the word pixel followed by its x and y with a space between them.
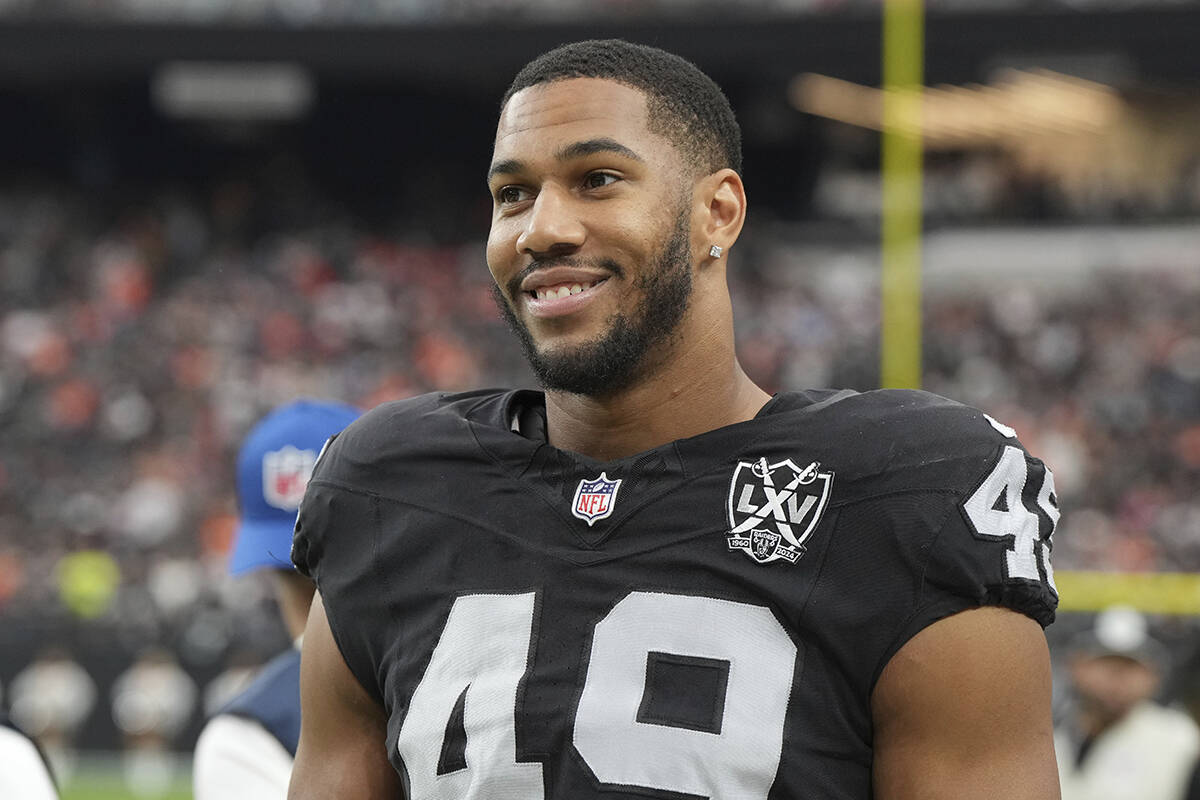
pixel 595 499
pixel 774 508
pixel 285 474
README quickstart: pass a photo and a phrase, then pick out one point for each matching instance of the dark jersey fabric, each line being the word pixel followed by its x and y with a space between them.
pixel 273 699
pixel 428 500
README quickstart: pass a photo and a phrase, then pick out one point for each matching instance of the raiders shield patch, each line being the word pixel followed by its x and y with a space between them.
pixel 774 508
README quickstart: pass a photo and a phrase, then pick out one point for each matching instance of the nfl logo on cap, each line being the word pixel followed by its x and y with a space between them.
pixel 285 473
pixel 274 465
pixel 595 499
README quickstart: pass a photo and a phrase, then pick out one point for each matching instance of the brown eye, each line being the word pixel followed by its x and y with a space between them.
pixel 598 180
pixel 510 194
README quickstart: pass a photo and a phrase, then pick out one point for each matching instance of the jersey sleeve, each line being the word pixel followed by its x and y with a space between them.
pixel 366 469
pixel 941 509
pixel 993 546
pixel 335 523
pixel 334 543
pixel 312 519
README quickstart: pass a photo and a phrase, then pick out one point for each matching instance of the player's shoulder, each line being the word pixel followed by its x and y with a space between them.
pixel 411 428
pixel 911 437
pixel 413 417
pixel 926 422
pixel 906 416
pixel 893 419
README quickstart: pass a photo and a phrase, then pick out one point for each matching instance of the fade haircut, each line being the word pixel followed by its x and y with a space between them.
pixel 682 103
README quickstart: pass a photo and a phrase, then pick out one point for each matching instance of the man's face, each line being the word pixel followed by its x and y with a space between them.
pixel 1108 686
pixel 590 241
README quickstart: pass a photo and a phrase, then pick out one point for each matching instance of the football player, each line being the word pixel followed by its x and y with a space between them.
pixel 654 579
pixel 246 749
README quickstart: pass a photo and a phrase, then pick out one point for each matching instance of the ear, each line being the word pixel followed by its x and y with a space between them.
pixel 720 212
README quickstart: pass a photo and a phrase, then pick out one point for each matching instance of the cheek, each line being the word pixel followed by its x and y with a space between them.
pixel 496 253
pixel 630 238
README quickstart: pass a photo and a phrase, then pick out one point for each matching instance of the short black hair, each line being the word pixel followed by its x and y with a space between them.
pixel 682 103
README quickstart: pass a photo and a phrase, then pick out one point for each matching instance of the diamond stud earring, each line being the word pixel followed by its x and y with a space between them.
pixel 715 251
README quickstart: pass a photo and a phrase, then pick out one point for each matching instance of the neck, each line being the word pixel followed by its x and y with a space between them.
pixel 698 387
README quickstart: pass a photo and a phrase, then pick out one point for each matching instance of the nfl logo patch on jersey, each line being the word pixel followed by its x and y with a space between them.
pixel 595 499
pixel 774 508
pixel 285 474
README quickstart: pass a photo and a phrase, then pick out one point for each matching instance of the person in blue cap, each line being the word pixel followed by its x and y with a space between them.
pixel 246 749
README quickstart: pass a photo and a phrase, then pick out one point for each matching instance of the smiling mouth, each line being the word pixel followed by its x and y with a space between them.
pixel 563 289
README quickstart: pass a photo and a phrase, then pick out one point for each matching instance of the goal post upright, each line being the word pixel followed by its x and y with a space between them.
pixel 901 180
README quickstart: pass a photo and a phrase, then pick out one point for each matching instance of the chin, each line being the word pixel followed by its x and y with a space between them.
pixel 566 340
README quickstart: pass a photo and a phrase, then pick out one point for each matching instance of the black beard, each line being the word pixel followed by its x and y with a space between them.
pixel 617 358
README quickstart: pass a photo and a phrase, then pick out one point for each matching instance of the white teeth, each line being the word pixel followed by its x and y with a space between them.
pixel 566 290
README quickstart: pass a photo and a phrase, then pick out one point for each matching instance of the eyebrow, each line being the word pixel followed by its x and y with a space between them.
pixel 580 149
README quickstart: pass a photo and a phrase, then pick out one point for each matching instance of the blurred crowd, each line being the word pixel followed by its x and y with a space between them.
pixel 1104 385
pixel 309 12
pixel 136 348
pixel 140 339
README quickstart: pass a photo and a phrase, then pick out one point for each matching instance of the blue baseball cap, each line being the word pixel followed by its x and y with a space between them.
pixel 274 465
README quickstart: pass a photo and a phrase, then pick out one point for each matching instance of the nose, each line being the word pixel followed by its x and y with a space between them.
pixel 552 225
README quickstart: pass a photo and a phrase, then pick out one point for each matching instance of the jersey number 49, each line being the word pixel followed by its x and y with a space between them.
pixel 474 679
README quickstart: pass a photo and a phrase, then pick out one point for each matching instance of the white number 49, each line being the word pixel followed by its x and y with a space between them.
pixel 997 512
pixel 476 670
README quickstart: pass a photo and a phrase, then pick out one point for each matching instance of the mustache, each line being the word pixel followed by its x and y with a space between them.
pixel 606 264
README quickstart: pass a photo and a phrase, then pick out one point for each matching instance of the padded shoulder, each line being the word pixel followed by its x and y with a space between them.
pixel 938 509
pixel 895 440
pixel 367 455
pixel 408 453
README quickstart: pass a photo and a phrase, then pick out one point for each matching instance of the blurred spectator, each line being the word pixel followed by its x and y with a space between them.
pixel 50 700
pixel 1119 744
pixel 246 750
pixel 152 701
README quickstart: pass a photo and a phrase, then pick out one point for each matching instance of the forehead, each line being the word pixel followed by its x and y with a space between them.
pixel 571 109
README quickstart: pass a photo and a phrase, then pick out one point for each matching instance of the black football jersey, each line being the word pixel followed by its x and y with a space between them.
pixel 703 620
